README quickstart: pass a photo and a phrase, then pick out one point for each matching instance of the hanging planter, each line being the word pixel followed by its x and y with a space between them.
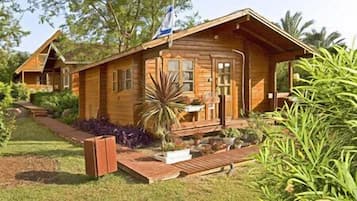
pixel 193 108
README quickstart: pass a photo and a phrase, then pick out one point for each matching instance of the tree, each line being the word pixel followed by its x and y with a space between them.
pixel 293 24
pixel 9 64
pixel 10 29
pixel 189 21
pixel 322 39
pixel 125 23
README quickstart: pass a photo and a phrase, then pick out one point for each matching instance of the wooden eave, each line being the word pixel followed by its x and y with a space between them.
pixel 221 20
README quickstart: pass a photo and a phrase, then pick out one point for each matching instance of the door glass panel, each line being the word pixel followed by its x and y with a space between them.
pixel 227 67
pixel 220 68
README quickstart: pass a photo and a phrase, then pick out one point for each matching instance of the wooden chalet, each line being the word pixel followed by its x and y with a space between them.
pixel 234 56
pixel 47 69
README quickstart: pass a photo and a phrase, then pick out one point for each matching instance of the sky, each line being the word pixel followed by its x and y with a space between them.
pixel 335 15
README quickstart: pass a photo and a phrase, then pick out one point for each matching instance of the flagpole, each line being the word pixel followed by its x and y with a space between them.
pixel 173 21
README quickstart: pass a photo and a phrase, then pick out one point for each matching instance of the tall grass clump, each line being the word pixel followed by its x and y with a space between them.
pixel 313 156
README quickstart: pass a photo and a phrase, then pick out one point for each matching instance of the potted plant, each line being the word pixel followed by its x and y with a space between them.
pixel 161 109
pixel 174 152
pixel 230 134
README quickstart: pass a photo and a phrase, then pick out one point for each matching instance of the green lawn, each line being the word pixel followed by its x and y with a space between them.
pixel 72 184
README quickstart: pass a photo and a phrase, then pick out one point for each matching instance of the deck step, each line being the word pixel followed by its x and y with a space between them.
pixel 215 162
pixel 145 168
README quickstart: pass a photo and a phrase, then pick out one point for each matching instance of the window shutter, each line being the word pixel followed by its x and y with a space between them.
pixel 128 81
pixel 121 81
pixel 115 81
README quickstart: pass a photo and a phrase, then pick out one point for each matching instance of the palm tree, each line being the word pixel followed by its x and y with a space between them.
pixel 323 39
pixel 293 24
pixel 162 106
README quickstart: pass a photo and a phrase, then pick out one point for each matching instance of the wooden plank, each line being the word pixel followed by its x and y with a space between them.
pixel 213 162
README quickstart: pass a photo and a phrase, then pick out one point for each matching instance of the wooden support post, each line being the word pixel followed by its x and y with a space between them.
pixel 290 76
pixel 102 91
pixel 247 81
pixel 222 110
pixel 81 97
pixel 23 77
pixel 273 86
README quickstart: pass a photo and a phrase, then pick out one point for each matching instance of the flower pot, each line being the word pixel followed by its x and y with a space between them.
pixel 229 140
pixel 173 156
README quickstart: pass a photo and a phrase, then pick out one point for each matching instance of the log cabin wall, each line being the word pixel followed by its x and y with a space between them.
pixel 91 92
pixel 121 104
pixel 31 78
pixel 75 83
pixel 208 47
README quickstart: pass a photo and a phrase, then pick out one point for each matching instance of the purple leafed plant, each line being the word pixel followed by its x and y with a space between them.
pixel 130 136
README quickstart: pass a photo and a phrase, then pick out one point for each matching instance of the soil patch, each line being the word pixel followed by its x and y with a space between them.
pixel 23 170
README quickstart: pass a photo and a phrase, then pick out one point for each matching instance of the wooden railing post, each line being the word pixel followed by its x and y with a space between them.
pixel 222 110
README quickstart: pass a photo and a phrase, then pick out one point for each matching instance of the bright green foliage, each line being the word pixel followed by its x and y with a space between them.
pixel 6 121
pixel 313 157
pixel 19 92
pixel 331 87
pixel 231 132
pixel 162 105
pixel 7 126
pixel 57 103
pixel 5 95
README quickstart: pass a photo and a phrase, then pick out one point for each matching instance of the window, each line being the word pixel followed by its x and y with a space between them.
pixel 115 81
pixel 125 79
pixel 66 77
pixel 185 71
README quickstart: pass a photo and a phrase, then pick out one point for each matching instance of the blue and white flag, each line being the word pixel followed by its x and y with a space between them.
pixel 167 25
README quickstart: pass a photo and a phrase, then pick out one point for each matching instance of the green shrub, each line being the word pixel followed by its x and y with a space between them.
pixel 19 92
pixel 70 118
pixel 57 102
pixel 7 126
pixel 231 133
pixel 5 95
pixel 314 157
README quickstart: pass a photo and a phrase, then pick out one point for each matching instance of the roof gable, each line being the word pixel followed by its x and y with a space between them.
pixel 35 63
pixel 248 13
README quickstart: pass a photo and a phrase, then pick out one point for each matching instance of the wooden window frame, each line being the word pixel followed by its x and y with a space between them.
pixel 123 79
pixel 66 78
pixel 181 71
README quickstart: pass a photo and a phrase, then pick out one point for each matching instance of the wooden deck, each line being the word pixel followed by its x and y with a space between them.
pixel 145 168
pixel 215 162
